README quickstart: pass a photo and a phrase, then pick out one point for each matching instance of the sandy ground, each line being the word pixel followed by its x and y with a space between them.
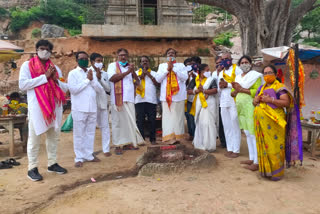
pixel 228 188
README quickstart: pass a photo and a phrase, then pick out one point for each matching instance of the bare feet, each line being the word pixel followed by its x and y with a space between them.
pixel 248 162
pixel 234 155
pixel 78 164
pixel 228 154
pixel 107 154
pixel 190 138
pixel 253 167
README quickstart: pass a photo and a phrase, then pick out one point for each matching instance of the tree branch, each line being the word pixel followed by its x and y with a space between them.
pixel 315 6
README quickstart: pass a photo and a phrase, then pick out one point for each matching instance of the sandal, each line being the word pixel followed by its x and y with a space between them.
pixel 130 147
pixel 4 165
pixel 78 164
pixel 118 151
pixel 12 162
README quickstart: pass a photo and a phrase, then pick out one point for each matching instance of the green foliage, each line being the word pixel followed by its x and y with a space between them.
pixel 200 13
pixel 3 12
pixel 36 33
pixel 311 22
pixel 149 17
pixel 74 32
pixel 315 42
pixel 66 13
pixel 203 52
pixel 224 39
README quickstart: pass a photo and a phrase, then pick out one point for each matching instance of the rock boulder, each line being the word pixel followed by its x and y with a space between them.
pixel 51 31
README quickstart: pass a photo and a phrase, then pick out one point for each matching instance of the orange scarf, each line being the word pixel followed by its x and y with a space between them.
pixel 172 86
pixel 47 94
pixel 118 88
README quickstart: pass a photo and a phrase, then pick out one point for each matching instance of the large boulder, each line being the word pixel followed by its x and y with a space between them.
pixel 51 31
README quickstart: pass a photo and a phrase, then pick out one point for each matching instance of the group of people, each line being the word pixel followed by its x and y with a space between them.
pixel 216 105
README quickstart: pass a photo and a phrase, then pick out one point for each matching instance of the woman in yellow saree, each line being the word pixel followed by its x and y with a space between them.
pixel 270 121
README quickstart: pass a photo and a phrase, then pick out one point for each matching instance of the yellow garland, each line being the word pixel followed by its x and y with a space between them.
pixel 203 101
pixel 141 90
pixel 231 78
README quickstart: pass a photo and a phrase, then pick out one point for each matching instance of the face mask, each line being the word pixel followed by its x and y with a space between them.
pixel 195 67
pixel 123 64
pixel 83 63
pixel 207 74
pixel 98 65
pixel 245 67
pixel 44 54
pixel 226 63
pixel 172 59
pixel 269 78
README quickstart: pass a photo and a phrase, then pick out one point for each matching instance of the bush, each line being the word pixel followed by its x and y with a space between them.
pixel 36 33
pixel 3 12
pixel 224 39
pixel 74 32
pixel 203 52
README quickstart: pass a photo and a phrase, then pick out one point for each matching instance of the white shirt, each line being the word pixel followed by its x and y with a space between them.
pixel 83 91
pixel 127 83
pixel 225 93
pixel 182 75
pixel 26 83
pixel 150 92
pixel 102 98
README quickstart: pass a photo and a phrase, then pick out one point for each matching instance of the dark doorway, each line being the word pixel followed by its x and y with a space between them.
pixel 149 12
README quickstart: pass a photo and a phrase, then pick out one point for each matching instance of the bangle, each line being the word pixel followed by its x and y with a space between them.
pixel 272 99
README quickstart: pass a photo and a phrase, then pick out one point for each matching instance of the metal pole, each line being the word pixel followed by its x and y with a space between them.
pixel 296 74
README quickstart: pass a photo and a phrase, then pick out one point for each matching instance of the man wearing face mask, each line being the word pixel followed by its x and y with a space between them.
pixel 102 101
pixel 46 94
pixel 146 98
pixel 123 79
pixel 229 112
pixel 173 93
pixel 84 87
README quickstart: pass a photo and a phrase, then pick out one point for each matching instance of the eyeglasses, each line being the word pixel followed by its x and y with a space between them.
pixel 268 73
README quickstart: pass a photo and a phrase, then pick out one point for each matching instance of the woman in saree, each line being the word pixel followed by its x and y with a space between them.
pixel 278 132
pixel 204 109
pixel 244 90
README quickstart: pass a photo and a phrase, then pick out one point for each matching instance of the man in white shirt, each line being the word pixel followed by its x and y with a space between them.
pixel 229 112
pixel 173 94
pixel 83 86
pixel 102 101
pixel 121 74
pixel 146 98
pixel 46 94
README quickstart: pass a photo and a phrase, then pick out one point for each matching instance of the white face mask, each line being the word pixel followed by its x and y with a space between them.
pixel 245 67
pixel 98 65
pixel 44 54
pixel 207 74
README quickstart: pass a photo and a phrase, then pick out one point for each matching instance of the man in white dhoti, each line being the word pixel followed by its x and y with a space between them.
pixel 173 93
pixel 204 109
pixel 121 74
pixel 83 86
pixel 102 101
pixel 46 94
pixel 146 98
pixel 229 112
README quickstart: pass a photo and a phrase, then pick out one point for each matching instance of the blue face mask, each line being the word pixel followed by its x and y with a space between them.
pixel 195 67
pixel 123 63
pixel 172 59
pixel 226 63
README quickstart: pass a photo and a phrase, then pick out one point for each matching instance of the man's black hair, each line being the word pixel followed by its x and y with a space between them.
pixel 145 57
pixel 14 95
pixel 202 67
pixel 44 42
pixel 80 52
pixel 122 49
pixel 94 56
pixel 187 61
pixel 196 59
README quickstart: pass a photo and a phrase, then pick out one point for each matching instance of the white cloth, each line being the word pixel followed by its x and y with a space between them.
pixel 225 93
pixel 252 146
pixel 173 121
pixel 33 146
pixel 102 98
pixel 150 93
pixel 231 128
pixel 103 124
pixel 182 76
pixel 127 83
pixel 249 79
pixel 26 83
pixel 206 121
pixel 124 127
pixel 83 91
pixel 84 129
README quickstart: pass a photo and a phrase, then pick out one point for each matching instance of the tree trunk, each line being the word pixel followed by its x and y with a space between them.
pixel 264 23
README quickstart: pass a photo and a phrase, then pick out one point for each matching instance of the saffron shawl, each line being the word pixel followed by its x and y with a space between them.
pixel 172 86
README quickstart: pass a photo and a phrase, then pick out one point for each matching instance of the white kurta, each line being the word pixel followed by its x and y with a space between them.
pixel 173 118
pixel 124 127
pixel 26 83
pixel 150 92
pixel 206 121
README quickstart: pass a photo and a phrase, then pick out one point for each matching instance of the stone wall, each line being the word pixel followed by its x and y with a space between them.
pixel 21 3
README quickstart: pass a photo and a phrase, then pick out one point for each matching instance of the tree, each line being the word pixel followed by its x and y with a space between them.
pixel 264 23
